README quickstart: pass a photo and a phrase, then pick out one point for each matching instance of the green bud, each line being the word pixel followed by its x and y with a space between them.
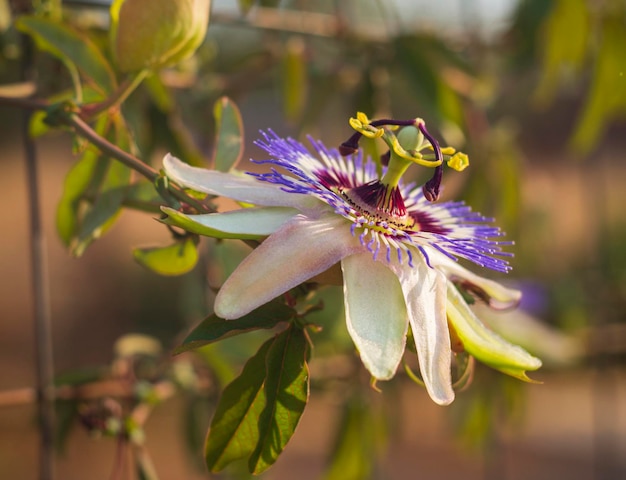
pixel 151 34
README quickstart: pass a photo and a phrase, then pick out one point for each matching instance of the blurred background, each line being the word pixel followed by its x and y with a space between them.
pixel 533 90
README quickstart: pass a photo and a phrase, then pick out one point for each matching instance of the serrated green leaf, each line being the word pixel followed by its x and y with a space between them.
pixel 234 431
pixel 229 138
pixel 176 259
pixel 287 392
pixel 213 328
pixel 75 50
pixel 484 344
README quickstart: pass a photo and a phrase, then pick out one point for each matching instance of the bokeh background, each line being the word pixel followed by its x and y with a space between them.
pixel 533 90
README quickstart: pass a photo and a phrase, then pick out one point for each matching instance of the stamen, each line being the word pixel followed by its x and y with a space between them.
pixel 351 145
pixel 385 157
pixel 431 188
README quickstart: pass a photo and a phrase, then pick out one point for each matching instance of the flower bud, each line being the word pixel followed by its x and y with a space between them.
pixel 151 34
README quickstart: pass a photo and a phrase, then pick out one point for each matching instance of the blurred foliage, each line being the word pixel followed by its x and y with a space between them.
pixel 307 68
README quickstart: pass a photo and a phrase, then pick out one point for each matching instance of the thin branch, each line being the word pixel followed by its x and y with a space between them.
pixel 73 120
pixel 42 317
pixel 84 130
pixel 118 388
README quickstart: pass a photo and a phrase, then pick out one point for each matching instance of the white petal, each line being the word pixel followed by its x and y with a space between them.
pixel 425 295
pixel 247 223
pixel 500 297
pixel 299 250
pixel 375 313
pixel 242 188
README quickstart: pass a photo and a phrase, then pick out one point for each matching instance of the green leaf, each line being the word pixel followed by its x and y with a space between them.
pixel 229 138
pixel 214 329
pixel 294 84
pixel 420 72
pixel 108 199
pixel 358 440
pixel 483 343
pixel 5 15
pixel 106 207
pixel 287 392
pixel 234 431
pixel 176 259
pixel 143 196
pixel 566 33
pixel 38 126
pixel 607 96
pixel 245 5
pixel 75 50
pixel 76 183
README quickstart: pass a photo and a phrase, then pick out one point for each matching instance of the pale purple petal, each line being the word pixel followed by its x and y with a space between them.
pixel 242 188
pixel 425 295
pixel 376 315
pixel 299 250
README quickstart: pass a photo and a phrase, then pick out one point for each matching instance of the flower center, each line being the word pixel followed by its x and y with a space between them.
pixel 382 205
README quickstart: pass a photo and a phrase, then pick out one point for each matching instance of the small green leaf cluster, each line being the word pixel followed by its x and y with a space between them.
pixel 259 410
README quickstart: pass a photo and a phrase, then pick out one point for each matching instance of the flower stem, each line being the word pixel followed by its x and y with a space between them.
pixel 81 127
pixel 117 98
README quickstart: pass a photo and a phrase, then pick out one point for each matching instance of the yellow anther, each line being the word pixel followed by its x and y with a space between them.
pixel 361 117
pixel 459 161
pixel 444 150
pixel 356 124
pixel 448 151
pixel 361 125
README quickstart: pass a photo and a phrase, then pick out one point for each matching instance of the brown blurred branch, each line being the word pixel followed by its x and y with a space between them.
pixel 284 20
pixel 105 388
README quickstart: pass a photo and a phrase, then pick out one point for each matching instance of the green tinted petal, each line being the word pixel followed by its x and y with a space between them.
pixel 247 223
pixel 375 313
pixel 484 344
